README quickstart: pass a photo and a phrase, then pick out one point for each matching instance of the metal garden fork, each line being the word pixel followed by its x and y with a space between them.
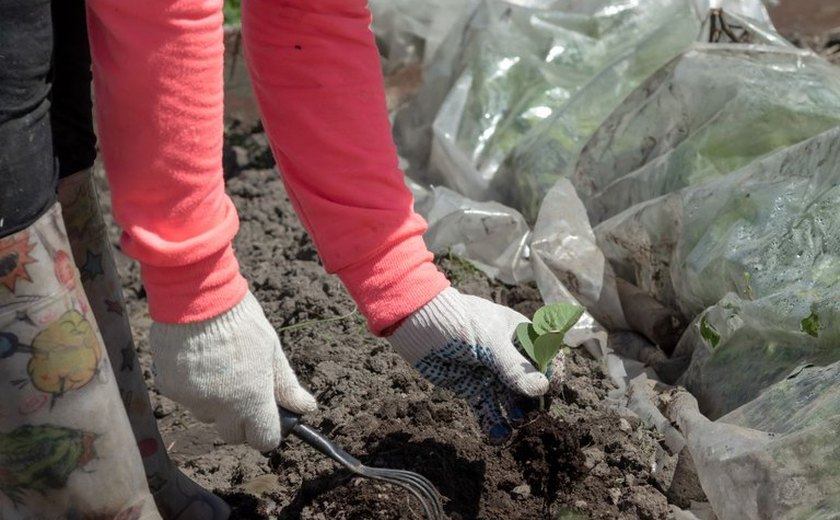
pixel 416 484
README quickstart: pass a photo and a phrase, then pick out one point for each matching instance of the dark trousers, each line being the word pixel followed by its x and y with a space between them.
pixel 46 124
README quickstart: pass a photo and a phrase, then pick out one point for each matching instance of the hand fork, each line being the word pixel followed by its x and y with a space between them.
pixel 418 485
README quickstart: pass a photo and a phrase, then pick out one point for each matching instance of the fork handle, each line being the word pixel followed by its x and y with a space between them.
pixel 290 424
pixel 288 421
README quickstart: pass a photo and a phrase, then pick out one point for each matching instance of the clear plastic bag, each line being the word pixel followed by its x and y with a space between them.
pixel 775 457
pixel 641 40
pixel 493 237
pixel 511 68
pixel 710 111
pixel 754 256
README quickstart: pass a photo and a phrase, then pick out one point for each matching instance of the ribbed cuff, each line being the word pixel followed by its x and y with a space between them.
pixel 194 292
pixel 220 328
pixel 390 287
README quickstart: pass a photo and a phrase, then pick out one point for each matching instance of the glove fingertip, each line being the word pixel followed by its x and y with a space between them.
pixel 231 431
pixel 299 401
pixel 533 384
pixel 266 440
pixel 263 432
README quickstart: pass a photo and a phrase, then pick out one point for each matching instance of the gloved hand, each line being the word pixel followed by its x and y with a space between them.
pixel 230 370
pixel 465 344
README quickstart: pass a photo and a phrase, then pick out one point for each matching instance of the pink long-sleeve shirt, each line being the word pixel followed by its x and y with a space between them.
pixel 315 70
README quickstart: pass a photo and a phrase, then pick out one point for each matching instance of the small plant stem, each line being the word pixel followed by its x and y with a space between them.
pixel 315 322
pixel 542 403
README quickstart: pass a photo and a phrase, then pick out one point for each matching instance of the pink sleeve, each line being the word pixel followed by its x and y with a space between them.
pixel 158 88
pixel 316 73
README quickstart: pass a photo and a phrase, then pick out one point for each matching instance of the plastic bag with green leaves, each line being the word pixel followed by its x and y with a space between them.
pixel 513 67
pixel 755 257
pixel 642 37
pixel 710 111
pixel 775 457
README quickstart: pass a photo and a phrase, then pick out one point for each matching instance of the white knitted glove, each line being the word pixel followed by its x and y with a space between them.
pixel 465 344
pixel 229 370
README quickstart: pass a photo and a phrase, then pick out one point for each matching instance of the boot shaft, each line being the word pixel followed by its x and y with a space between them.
pixel 66 447
pixel 177 497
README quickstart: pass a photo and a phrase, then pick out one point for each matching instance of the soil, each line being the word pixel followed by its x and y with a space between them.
pixel 579 459
pixel 813 24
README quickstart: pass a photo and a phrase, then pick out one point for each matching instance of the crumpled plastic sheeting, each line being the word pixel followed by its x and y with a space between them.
pixel 775 457
pixel 710 111
pixel 410 31
pixel 816 392
pixel 565 246
pixel 492 236
pixel 518 64
pixel 587 331
pixel 497 240
pixel 483 87
pixel 550 150
pixel 651 33
pixel 508 69
pixel 754 255
pixel 513 68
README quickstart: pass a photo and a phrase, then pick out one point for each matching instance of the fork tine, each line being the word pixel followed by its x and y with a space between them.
pixel 426 502
pixel 431 506
pixel 424 484
pixel 415 480
pixel 418 485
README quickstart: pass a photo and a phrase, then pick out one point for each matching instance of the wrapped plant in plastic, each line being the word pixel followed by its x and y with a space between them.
pixel 754 256
pixel 710 111
pixel 529 68
pixel 642 39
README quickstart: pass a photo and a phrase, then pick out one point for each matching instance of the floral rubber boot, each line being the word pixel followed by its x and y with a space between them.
pixel 177 496
pixel 67 451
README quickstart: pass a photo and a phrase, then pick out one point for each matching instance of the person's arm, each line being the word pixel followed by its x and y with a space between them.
pixel 157 68
pixel 316 74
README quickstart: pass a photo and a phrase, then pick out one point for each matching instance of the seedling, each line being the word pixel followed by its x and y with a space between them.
pixel 543 339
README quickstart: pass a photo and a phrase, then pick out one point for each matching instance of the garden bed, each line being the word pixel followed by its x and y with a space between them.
pixel 581 457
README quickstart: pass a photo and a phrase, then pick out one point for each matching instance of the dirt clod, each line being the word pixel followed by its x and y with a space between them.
pixel 549 454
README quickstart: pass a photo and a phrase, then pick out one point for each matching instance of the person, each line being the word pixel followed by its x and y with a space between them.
pixel 75 421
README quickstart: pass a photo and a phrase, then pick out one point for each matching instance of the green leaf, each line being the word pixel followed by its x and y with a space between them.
pixel 546 348
pixel 557 318
pixel 526 335
pixel 811 325
pixel 708 332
